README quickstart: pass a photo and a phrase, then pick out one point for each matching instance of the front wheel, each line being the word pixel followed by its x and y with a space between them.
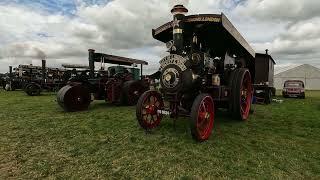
pixel 147 109
pixel 33 89
pixel 74 98
pixel 202 117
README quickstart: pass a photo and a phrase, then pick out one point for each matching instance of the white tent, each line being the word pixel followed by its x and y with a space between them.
pixel 310 75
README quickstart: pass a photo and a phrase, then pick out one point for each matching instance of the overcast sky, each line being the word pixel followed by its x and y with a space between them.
pixel 62 30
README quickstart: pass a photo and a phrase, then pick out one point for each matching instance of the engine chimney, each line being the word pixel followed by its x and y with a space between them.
pixel 267 50
pixel 91 62
pixel 44 70
pixel 178 12
pixel 10 71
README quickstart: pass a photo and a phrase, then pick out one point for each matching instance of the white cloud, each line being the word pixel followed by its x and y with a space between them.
pixel 293 10
pixel 290 29
pixel 299 44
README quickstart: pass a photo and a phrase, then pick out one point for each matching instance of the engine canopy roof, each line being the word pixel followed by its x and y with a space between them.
pixel 112 59
pixel 214 31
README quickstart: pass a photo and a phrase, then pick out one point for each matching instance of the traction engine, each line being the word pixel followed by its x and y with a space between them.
pixel 210 66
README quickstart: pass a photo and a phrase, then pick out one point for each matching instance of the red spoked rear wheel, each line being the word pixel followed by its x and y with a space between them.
pixel 245 94
pixel 202 117
pixel 147 109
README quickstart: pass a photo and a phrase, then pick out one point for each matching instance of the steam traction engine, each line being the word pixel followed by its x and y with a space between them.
pixel 118 84
pixel 210 65
pixel 12 81
pixel 41 78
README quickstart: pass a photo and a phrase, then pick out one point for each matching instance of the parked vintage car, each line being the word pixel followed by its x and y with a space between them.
pixel 293 88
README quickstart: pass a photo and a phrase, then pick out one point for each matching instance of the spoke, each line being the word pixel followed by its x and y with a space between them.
pixel 145 117
pixel 243 102
pixel 203 122
pixel 203 125
pixel 200 119
pixel 145 103
pixel 206 105
pixel 151 119
pixel 243 92
pixel 151 99
pixel 242 110
pixel 203 106
pixel 144 111
pixel 200 129
pixel 157 104
pixel 155 117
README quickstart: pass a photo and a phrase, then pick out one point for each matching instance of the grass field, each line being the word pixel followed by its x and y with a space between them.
pixel 38 140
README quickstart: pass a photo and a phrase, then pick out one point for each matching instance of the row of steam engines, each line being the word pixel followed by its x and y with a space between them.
pixel 210 65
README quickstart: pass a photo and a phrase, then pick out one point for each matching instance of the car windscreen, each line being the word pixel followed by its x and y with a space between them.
pixel 293 84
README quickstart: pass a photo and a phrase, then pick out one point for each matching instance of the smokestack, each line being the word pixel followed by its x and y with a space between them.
pixel 10 71
pixel 267 50
pixel 91 62
pixel 178 12
pixel 43 70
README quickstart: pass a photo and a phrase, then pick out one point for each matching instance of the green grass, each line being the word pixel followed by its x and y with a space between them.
pixel 38 140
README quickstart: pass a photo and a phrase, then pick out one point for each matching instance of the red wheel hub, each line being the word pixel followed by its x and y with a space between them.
pixel 151 109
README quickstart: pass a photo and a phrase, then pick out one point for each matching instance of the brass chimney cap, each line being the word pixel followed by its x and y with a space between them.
pixel 177 9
